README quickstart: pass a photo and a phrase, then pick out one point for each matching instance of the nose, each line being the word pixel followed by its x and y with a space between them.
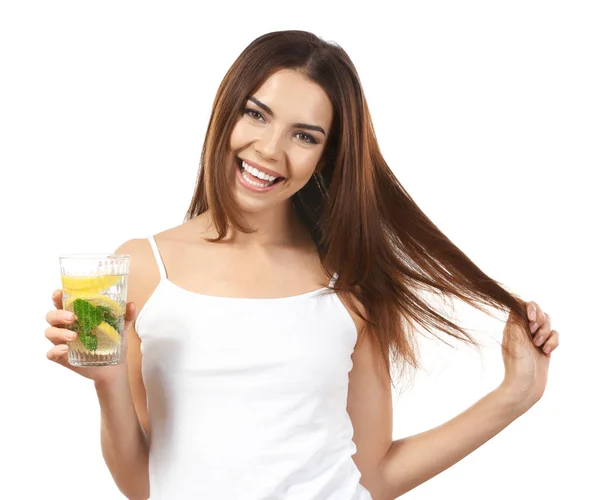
pixel 268 145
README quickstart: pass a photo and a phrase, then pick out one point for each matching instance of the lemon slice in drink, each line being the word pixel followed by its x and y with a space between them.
pixel 96 300
pixel 108 331
pixel 88 284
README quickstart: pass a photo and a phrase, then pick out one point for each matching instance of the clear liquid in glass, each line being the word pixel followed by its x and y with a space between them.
pixel 99 302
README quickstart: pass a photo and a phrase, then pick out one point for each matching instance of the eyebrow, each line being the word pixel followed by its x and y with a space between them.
pixel 299 125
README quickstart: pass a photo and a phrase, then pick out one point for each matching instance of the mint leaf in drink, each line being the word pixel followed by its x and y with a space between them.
pixel 89 340
pixel 109 317
pixel 105 310
pixel 88 317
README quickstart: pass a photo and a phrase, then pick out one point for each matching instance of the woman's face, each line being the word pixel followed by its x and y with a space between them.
pixel 281 134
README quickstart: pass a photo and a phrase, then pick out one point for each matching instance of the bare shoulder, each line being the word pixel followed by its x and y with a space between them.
pixel 191 233
pixel 143 271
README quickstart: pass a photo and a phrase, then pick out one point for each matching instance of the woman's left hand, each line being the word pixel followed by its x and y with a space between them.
pixel 526 371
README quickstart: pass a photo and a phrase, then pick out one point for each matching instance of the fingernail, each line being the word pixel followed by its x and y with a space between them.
pixel 533 327
pixel 72 336
pixel 63 348
pixel 532 315
pixel 539 341
pixel 547 349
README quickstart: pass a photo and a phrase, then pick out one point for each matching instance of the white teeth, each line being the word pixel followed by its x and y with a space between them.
pixel 254 183
pixel 257 173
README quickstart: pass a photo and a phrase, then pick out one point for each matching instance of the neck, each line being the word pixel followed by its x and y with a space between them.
pixel 277 227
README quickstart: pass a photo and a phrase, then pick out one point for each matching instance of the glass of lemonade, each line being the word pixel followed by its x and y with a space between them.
pixel 95 289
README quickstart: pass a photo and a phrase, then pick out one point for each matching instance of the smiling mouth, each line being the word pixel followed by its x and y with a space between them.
pixel 249 175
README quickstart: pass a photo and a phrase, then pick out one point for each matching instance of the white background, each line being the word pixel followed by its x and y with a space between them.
pixel 486 111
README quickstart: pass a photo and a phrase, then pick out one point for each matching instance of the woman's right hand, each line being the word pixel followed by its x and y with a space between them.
pixel 58 334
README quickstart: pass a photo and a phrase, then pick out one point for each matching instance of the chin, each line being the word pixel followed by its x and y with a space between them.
pixel 252 206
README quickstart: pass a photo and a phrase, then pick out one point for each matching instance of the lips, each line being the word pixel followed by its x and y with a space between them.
pixel 258 186
pixel 260 167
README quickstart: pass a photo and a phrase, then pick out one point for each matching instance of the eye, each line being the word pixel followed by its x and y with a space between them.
pixel 249 112
pixel 308 138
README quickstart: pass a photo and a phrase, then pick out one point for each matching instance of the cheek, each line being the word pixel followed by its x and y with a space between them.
pixel 236 140
pixel 304 166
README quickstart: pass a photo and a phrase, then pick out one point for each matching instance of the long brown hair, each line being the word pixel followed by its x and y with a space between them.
pixel 365 225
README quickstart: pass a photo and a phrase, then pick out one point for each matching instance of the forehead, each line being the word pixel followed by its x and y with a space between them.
pixel 295 98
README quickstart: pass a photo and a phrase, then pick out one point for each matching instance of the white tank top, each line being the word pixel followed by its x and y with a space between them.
pixel 247 396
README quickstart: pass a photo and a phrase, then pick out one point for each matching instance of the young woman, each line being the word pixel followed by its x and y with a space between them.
pixel 260 363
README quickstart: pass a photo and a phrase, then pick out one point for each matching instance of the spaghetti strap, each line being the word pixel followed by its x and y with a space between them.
pixel 159 261
pixel 335 276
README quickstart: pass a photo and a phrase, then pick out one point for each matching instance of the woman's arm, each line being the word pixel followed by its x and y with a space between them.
pixel 415 459
pixel 124 444
pixel 125 426
pixel 391 468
